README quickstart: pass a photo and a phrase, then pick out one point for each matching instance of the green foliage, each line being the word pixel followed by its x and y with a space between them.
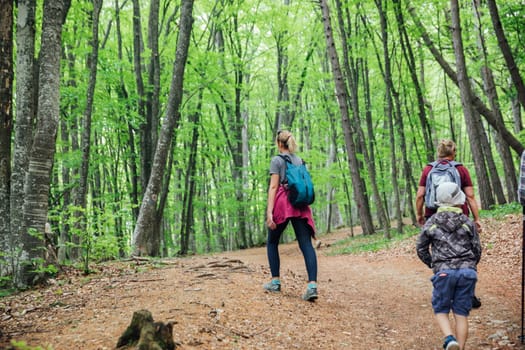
pixel 41 267
pixel 7 291
pixel 104 247
pixel 6 282
pixel 521 136
pixel 233 65
pixel 370 243
pixel 33 232
pixel 500 211
pixel 22 345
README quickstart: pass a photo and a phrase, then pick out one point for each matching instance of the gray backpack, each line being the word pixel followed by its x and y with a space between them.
pixel 441 172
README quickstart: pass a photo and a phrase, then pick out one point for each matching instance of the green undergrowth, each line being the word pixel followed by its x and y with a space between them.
pixel 377 241
pixel 372 243
pixel 498 212
pixel 21 345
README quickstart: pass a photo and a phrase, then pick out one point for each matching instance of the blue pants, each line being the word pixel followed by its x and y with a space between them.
pixel 303 233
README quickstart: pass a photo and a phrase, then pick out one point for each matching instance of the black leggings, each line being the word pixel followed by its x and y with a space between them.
pixel 303 233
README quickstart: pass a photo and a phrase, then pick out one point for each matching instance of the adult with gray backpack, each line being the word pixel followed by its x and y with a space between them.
pixel 446 169
pixel 289 195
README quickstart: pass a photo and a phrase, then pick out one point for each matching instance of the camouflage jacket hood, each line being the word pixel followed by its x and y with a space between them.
pixel 449 240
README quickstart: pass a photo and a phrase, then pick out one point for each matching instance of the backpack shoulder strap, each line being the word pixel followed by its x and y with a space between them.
pixel 286 158
pixel 289 160
pixel 433 164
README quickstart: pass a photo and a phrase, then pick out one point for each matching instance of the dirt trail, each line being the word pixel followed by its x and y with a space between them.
pixel 370 301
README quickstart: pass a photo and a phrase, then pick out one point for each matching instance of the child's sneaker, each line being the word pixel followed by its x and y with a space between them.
pixel 273 286
pixel 311 292
pixel 450 343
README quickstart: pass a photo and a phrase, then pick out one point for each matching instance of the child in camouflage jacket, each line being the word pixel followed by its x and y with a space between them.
pixel 449 244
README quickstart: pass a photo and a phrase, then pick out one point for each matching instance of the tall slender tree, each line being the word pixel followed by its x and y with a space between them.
pixel 408 54
pixel 352 64
pixel 38 178
pixel 389 110
pixel 282 115
pixel 123 95
pixel 188 211
pixel 506 51
pixel 489 86
pixel 25 116
pixel 146 150
pixel 6 123
pixel 144 240
pixel 465 90
pixel 476 102
pixel 152 102
pixel 81 193
pixel 349 131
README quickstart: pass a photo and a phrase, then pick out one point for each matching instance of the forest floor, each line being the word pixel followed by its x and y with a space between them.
pixel 366 301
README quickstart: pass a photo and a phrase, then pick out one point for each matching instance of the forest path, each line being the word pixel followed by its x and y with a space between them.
pixel 368 301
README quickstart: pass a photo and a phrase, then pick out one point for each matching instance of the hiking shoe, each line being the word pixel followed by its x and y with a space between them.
pixel 450 343
pixel 476 302
pixel 310 294
pixel 272 286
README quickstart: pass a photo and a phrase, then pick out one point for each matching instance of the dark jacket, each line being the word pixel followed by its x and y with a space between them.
pixel 453 240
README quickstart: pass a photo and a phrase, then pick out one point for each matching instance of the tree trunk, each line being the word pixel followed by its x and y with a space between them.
pixel 473 128
pixel 25 116
pixel 489 86
pixel 245 155
pixel 144 241
pixel 333 214
pixel 6 126
pixel 38 178
pixel 236 124
pixel 282 117
pixel 70 136
pixel 145 127
pixel 81 193
pixel 475 100
pixel 389 114
pixel 144 333
pixel 297 97
pixel 408 55
pixel 123 96
pixel 348 128
pixel 506 51
pixel 153 103
pixel 63 239
pixel 187 220
pixel 352 68
pixel 411 63
pixel 233 128
pixel 516 114
pixel 494 179
pixel 161 220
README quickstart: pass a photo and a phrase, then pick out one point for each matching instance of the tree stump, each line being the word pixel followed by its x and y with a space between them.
pixel 146 334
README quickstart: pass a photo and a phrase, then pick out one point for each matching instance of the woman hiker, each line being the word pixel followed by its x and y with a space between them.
pixel 280 212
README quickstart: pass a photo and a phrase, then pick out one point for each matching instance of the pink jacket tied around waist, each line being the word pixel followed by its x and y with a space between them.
pixel 283 210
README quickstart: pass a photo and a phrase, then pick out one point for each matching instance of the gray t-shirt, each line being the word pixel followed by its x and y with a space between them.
pixel 278 165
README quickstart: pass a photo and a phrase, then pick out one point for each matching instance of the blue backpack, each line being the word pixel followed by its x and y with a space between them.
pixel 441 172
pixel 301 188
